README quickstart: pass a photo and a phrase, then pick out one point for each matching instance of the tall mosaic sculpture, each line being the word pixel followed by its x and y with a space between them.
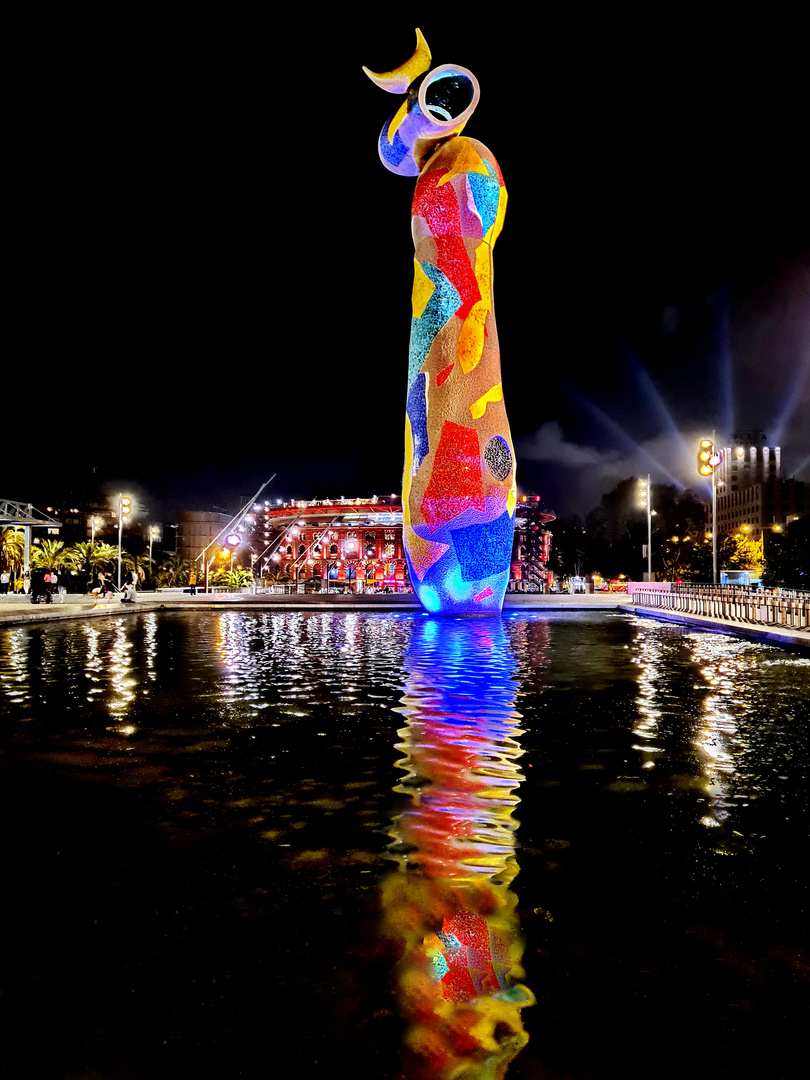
pixel 459 480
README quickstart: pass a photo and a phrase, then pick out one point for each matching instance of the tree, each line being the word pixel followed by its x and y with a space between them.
pixel 787 557
pixel 52 554
pixel 12 546
pixel 569 548
pixel 617 530
pixel 139 564
pixel 105 555
pixel 172 570
pixel 85 555
pixel 739 552
pixel 698 562
pixel 238 578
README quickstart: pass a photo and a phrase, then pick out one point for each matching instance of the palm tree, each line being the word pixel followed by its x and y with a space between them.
pixel 139 565
pixel 105 555
pixel 85 555
pixel 53 554
pixel 12 546
pixel 173 570
pixel 238 578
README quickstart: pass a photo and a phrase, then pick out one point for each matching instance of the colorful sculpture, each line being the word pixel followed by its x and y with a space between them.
pixel 459 490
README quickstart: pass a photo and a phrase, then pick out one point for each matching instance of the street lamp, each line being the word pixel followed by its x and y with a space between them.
pixel 644 504
pixel 154 534
pixel 124 510
pixel 709 457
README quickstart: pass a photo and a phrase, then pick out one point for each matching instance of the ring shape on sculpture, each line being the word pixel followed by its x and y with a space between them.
pixel 449 95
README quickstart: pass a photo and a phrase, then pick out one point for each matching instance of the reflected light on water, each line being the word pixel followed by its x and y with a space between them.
pixel 122 679
pixel 14 665
pixel 724 667
pixel 651 660
pixel 450 903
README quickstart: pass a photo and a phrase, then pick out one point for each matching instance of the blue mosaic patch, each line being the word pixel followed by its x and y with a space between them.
pixel 395 151
pixel 486 192
pixel 417 414
pixel 443 303
pixel 483 550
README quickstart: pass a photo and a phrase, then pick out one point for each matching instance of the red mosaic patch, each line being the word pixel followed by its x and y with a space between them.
pixel 455 483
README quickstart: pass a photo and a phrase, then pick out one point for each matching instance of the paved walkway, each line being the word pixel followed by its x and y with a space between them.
pixel 16 609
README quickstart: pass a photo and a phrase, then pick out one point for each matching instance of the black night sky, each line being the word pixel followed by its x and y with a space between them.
pixel 212 269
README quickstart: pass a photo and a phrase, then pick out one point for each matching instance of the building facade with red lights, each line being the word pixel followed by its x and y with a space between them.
pixel 356 545
pixel 346 544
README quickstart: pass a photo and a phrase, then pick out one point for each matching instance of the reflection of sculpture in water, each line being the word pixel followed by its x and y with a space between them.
pixel 459 493
pixel 451 905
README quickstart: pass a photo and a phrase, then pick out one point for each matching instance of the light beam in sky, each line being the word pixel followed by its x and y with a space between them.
pixel 621 435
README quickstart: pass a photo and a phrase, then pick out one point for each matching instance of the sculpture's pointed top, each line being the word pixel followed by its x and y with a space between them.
pixel 398 80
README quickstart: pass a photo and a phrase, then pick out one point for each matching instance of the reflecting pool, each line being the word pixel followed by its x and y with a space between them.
pixel 557 845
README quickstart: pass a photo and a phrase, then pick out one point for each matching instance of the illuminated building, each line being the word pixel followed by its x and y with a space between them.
pixel 353 544
pixel 748 462
pixel 196 530
pixel 752 494
pixel 358 543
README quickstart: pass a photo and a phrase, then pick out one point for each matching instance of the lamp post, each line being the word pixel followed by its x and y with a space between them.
pixel 709 457
pixel 644 504
pixel 124 510
pixel 154 534
pixel 233 540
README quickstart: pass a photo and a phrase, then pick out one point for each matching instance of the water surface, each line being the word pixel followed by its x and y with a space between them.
pixel 201 813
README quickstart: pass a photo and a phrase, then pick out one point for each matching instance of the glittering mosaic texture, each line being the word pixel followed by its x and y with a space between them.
pixel 459 491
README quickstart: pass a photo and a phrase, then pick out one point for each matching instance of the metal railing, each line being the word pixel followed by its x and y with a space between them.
pixel 734 603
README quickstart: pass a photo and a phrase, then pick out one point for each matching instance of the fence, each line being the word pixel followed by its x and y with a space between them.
pixel 736 603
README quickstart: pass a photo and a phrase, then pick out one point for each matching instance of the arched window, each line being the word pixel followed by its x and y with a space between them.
pixel 289 549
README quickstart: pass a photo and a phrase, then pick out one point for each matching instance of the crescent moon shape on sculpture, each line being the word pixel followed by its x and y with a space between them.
pixel 398 80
